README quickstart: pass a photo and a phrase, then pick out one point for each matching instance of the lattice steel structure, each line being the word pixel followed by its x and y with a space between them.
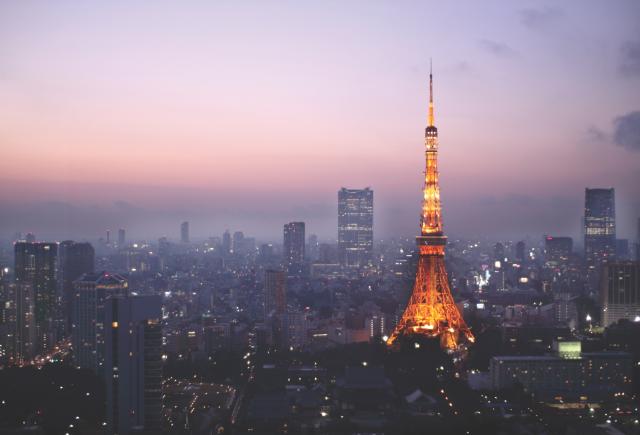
pixel 431 310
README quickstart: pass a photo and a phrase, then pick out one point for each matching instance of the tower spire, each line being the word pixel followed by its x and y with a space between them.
pixel 431 310
pixel 431 117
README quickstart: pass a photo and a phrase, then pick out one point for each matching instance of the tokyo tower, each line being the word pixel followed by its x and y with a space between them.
pixel 431 310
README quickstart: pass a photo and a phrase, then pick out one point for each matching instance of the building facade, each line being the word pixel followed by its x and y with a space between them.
pixel 184 232
pixel 568 373
pixel 620 292
pixel 133 364
pixel 76 259
pixel 294 246
pixel 355 227
pixel 599 226
pixel 87 333
pixel 36 264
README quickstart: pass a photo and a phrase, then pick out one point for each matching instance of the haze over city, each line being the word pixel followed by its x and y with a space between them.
pixel 245 117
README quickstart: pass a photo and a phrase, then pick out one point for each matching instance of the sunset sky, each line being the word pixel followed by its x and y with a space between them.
pixel 247 115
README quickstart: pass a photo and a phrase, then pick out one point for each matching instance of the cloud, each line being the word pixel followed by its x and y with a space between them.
pixel 538 19
pixel 596 136
pixel 630 62
pixel 498 49
pixel 627 131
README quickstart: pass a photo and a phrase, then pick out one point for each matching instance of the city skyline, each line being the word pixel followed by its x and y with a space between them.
pixel 148 134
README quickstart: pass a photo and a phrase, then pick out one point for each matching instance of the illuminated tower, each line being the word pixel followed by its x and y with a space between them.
pixel 431 310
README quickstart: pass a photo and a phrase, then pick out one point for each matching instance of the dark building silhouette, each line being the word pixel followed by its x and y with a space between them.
pixel 521 254
pixel 121 237
pixel 90 293
pixel 557 251
pixel 35 263
pixel 76 259
pixel 355 227
pixel 133 364
pixel 599 226
pixel 275 299
pixel 275 306
pixel 294 246
pixel 620 292
pixel 184 232
pixel 226 242
pixel 20 317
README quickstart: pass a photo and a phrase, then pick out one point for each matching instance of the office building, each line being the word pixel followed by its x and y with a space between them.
pixel 620 292
pixel 599 226
pixel 313 248
pixel 294 246
pixel 20 319
pixel 275 298
pixel 35 264
pixel 520 252
pixel 226 242
pixel 121 237
pixel 184 232
pixel 90 293
pixel 133 364
pixel 76 259
pixel 237 239
pixel 638 242
pixel 568 374
pixel 355 227
pixel 557 251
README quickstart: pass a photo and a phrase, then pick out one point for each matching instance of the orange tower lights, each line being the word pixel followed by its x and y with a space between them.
pixel 431 310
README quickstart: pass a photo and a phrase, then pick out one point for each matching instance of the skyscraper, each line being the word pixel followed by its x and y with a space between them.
pixel 294 241
pixel 521 255
pixel 226 242
pixel 90 293
pixel 238 238
pixel 22 319
pixel 355 227
pixel 620 292
pixel 557 251
pixel 275 306
pixel 184 232
pixel 275 298
pixel 35 263
pixel 599 226
pixel 638 242
pixel 121 237
pixel 76 259
pixel 133 363
pixel 313 247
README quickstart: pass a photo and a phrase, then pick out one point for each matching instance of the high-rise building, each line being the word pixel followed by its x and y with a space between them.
pixel 76 259
pixel 275 298
pixel 521 254
pixel 35 263
pixel 294 241
pixel 599 226
pixel 620 292
pixel 90 293
pixel 355 227
pixel 22 321
pixel 184 232
pixel 121 237
pixel 133 363
pixel 238 238
pixel 313 248
pixel 638 242
pixel 557 251
pixel 622 249
pixel 226 242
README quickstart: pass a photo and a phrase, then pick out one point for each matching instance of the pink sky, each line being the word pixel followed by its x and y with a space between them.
pixel 256 115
